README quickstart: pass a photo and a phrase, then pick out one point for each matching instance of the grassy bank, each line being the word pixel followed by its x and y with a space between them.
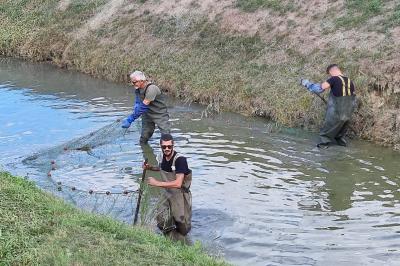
pixel 242 56
pixel 36 228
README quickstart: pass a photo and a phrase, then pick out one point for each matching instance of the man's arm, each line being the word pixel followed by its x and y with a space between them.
pixel 313 87
pixel 151 94
pixel 325 85
pixel 177 183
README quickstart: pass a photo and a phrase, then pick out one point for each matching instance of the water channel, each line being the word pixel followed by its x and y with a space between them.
pixel 262 195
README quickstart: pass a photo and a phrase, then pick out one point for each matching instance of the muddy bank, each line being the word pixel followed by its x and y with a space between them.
pixel 226 55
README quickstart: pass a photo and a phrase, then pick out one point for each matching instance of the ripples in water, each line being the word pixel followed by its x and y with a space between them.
pixel 262 195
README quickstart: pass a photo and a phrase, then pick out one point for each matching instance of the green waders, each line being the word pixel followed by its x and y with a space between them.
pixel 337 117
pixel 174 216
pixel 157 115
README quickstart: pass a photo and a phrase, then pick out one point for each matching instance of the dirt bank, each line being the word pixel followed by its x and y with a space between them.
pixel 243 56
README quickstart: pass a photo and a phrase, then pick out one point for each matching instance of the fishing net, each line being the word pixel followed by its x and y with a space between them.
pixel 99 172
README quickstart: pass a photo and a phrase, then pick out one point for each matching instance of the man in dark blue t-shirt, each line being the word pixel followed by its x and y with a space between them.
pixel 175 213
pixel 340 107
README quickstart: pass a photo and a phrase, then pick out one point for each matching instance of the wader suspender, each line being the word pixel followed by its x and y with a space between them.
pixel 184 189
pixel 145 90
pixel 344 86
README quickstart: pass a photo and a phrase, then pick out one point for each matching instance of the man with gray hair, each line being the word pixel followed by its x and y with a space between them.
pixel 150 104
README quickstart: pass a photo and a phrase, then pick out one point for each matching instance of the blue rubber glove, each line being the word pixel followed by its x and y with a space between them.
pixel 139 110
pixel 125 123
pixel 313 87
pixel 138 101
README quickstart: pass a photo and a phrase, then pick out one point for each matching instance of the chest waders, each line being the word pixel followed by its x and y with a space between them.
pixel 174 216
pixel 157 115
pixel 338 115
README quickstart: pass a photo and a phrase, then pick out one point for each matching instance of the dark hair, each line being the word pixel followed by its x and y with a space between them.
pixel 330 67
pixel 166 137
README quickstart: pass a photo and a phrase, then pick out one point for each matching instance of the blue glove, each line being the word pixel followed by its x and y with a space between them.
pixel 139 110
pixel 138 101
pixel 313 87
pixel 125 123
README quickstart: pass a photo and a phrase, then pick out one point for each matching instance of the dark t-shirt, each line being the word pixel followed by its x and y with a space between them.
pixel 338 88
pixel 181 166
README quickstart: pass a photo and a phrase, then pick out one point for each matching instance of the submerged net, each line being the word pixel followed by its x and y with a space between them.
pixel 108 134
pixel 95 173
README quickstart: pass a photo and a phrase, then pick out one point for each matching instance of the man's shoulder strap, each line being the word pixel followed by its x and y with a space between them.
pixel 147 86
pixel 344 90
pixel 177 155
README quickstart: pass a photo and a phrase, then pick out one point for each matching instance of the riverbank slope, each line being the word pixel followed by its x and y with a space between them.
pixel 242 56
pixel 38 229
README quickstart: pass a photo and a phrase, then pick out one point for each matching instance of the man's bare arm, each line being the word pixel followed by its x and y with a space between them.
pixel 325 85
pixel 177 183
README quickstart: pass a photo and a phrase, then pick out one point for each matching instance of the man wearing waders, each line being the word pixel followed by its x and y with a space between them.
pixel 150 104
pixel 175 214
pixel 341 104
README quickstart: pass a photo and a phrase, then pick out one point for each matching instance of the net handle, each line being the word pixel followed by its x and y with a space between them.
pixel 140 194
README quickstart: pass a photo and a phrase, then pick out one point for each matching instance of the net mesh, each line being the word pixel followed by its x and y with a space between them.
pixel 93 173
pixel 92 144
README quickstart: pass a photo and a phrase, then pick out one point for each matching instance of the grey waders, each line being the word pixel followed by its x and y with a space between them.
pixel 174 217
pixel 157 115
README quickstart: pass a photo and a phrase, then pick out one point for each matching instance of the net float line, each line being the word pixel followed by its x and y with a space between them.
pixel 60 187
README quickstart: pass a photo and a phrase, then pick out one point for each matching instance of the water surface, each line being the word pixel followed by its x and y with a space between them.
pixel 261 196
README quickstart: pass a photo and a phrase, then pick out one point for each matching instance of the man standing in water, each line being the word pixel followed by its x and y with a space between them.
pixel 175 214
pixel 150 104
pixel 341 104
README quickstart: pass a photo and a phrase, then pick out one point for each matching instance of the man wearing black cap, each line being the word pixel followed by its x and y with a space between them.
pixel 341 105
pixel 175 215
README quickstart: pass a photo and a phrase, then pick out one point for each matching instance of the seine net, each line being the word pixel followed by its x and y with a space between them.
pixel 99 172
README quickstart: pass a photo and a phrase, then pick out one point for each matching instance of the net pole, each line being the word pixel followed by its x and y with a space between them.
pixel 140 194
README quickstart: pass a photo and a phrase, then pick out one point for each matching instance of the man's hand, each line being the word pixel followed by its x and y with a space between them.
pixel 152 181
pixel 146 166
pixel 125 123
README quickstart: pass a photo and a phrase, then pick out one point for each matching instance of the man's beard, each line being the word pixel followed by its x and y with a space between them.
pixel 168 153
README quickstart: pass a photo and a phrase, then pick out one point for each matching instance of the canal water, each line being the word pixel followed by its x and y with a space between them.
pixel 262 194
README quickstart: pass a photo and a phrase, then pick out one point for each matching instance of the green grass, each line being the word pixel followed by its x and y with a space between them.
pixel 281 7
pixel 394 19
pixel 38 229
pixel 358 12
pixel 38 27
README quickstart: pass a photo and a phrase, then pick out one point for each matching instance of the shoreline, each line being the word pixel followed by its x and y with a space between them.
pixel 202 59
pixel 38 228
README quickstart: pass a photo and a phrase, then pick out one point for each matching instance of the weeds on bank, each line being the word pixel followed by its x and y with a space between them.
pixel 359 12
pixel 281 7
pixel 394 19
pixel 33 28
pixel 192 58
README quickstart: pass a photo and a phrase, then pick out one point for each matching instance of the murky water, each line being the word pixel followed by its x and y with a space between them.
pixel 262 196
